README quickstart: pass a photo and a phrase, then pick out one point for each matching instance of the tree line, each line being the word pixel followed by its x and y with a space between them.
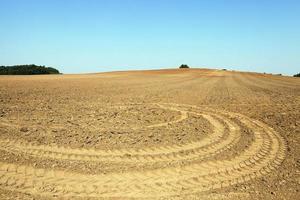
pixel 27 70
pixel 297 75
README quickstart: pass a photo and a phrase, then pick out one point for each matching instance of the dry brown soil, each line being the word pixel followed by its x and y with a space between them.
pixel 160 134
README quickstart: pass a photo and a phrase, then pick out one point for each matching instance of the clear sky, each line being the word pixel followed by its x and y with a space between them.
pixel 78 36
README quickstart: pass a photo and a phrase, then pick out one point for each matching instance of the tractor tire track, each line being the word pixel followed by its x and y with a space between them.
pixel 265 154
pixel 213 144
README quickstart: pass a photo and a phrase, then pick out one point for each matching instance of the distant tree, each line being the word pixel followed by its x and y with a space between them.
pixel 27 70
pixel 184 66
pixel 297 75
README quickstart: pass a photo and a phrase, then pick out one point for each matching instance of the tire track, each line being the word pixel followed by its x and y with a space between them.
pixel 213 144
pixel 264 155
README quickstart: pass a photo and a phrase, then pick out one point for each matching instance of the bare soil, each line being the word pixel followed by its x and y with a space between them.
pixel 157 134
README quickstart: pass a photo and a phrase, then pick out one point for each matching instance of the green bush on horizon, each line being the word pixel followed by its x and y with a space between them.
pixel 297 75
pixel 184 66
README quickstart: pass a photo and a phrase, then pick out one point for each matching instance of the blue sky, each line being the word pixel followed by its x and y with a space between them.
pixel 104 35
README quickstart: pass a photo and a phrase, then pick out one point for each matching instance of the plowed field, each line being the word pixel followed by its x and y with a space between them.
pixel 160 134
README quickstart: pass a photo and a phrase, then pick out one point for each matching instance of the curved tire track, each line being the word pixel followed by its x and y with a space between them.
pixel 213 144
pixel 264 155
